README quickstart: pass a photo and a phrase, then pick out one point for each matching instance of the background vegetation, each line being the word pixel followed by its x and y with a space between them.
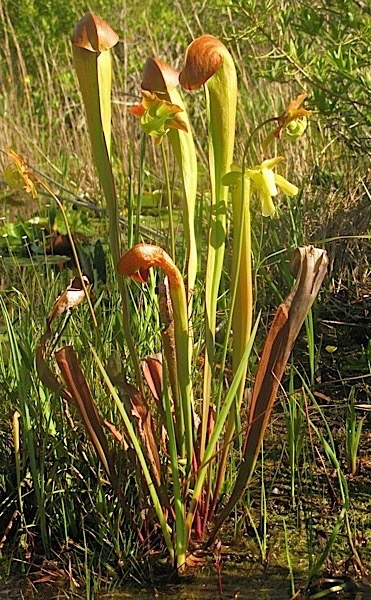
pixel 56 515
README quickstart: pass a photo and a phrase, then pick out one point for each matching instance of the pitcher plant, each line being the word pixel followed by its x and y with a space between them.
pixel 192 417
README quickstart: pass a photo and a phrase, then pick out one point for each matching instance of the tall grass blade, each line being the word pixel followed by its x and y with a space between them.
pixel 36 460
pixel 140 454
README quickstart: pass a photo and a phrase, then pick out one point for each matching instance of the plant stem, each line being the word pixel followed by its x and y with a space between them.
pixel 140 187
pixel 240 316
pixel 241 307
pixel 180 540
pixel 169 201
pixel 221 98
pixel 210 448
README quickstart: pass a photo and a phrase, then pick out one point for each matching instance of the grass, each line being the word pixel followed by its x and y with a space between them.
pixel 55 501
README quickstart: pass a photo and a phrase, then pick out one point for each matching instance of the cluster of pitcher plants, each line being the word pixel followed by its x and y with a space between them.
pixel 182 436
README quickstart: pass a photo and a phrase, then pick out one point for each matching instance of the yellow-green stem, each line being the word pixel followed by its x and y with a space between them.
pixel 210 448
pixel 178 299
pixel 241 309
pixel 221 97
pixel 169 201
pixel 180 541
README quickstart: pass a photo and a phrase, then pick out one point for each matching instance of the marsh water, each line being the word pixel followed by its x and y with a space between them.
pixel 240 587
pixel 205 585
